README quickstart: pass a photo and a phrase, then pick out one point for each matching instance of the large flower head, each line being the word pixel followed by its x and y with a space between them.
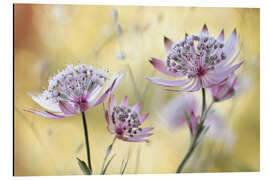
pixel 74 90
pixel 125 121
pixel 201 61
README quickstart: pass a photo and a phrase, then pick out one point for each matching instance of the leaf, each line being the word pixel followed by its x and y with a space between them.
pixel 107 165
pixel 84 168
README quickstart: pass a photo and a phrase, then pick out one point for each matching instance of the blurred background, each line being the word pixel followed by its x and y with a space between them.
pixel 48 37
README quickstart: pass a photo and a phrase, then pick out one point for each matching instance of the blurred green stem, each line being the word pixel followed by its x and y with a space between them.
pixel 107 153
pixel 87 142
pixel 199 129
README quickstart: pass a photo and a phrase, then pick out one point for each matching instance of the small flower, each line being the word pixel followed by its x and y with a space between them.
pixel 182 106
pixel 174 111
pixel 74 90
pixel 201 61
pixel 224 90
pixel 124 121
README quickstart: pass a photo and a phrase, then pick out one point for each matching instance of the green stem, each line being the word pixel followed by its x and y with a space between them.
pixel 199 130
pixel 203 101
pixel 107 153
pixel 87 142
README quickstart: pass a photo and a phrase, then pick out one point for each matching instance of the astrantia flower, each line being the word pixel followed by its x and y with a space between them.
pixel 224 90
pixel 124 121
pixel 176 111
pixel 74 90
pixel 201 61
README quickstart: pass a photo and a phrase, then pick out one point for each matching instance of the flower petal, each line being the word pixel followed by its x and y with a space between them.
pixel 169 83
pixel 221 36
pixel 124 101
pixel 112 85
pixel 161 67
pixel 230 46
pixel 144 117
pixel 67 108
pixel 137 107
pixel 167 43
pixel 49 115
pixel 205 29
pixel 45 103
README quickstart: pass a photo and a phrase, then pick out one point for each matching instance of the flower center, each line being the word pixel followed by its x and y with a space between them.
pixel 126 120
pixel 195 55
pixel 73 83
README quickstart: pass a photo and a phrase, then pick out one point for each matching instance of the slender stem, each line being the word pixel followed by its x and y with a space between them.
pixel 199 130
pixel 207 110
pixel 203 101
pixel 107 153
pixel 87 142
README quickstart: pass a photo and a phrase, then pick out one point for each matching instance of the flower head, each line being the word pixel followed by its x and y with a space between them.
pixel 182 106
pixel 201 61
pixel 224 90
pixel 174 111
pixel 74 90
pixel 124 121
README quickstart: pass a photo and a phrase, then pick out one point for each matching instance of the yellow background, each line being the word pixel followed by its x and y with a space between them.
pixel 47 37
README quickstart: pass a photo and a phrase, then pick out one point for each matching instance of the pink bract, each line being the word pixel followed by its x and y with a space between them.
pixel 124 121
pixel 224 90
pixel 74 90
pixel 200 61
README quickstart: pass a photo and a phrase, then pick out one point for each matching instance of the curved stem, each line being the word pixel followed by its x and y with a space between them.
pixel 87 142
pixel 199 130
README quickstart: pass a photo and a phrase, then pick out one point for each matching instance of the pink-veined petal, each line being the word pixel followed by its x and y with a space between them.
pixel 186 89
pixel 168 83
pixel 161 67
pixel 226 72
pixel 67 108
pixel 115 82
pixel 49 115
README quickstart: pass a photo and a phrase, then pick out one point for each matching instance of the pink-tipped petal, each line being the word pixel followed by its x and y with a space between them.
pixel 137 107
pixel 124 101
pixel 144 117
pixel 169 83
pixel 167 43
pixel 161 67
